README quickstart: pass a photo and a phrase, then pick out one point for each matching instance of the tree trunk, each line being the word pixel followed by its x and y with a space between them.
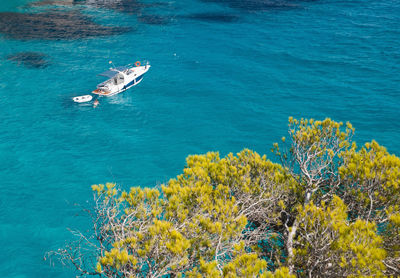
pixel 289 245
pixel 291 235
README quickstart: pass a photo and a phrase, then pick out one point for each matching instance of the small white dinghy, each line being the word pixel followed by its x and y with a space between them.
pixel 81 99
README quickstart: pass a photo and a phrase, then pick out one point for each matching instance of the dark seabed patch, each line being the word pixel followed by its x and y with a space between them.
pixel 155 19
pixel 213 17
pixel 53 26
pixel 30 59
pixel 256 5
pixel 133 7
pixel 53 3
pixel 126 6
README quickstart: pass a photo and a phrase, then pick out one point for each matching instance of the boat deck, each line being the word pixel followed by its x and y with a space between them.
pixel 101 92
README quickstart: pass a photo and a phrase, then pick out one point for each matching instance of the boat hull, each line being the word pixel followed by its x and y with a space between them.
pixel 132 78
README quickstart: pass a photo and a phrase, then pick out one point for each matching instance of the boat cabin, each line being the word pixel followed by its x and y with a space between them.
pixel 120 79
pixel 116 80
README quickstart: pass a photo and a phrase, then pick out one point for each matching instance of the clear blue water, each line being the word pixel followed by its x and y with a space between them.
pixel 219 83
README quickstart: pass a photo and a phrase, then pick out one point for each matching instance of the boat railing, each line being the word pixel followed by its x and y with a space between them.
pixel 141 63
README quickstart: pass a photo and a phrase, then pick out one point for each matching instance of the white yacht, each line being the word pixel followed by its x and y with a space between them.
pixel 121 79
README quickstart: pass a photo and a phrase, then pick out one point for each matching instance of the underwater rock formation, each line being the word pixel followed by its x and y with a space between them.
pixel 126 6
pixel 155 19
pixel 256 5
pixel 53 25
pixel 214 17
pixel 30 59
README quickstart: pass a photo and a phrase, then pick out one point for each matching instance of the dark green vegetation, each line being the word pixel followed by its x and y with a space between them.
pixel 329 209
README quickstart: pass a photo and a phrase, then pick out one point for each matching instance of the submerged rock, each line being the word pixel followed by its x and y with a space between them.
pixel 30 59
pixel 134 7
pixel 155 19
pixel 256 5
pixel 53 25
pixel 53 3
pixel 126 6
pixel 214 17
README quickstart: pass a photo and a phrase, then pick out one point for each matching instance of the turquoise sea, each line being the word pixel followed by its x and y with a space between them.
pixel 226 75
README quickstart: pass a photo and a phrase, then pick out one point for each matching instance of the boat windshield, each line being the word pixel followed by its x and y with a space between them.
pixel 113 71
pixel 118 79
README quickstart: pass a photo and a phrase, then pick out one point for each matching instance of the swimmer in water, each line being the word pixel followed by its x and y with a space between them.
pixel 95 103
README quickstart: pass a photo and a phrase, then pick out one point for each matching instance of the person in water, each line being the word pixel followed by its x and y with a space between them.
pixel 95 103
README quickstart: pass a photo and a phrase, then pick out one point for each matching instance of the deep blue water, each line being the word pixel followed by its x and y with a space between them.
pixel 225 76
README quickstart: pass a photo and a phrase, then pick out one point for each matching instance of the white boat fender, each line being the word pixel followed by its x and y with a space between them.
pixel 81 99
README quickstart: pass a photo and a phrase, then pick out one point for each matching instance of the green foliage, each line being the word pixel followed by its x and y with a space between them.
pixel 350 248
pixel 371 182
pixel 198 223
pixel 329 209
pixel 311 154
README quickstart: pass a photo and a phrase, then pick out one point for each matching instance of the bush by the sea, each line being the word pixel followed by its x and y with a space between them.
pixel 328 209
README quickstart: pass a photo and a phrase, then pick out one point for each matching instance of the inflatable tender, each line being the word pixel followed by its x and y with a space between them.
pixel 81 99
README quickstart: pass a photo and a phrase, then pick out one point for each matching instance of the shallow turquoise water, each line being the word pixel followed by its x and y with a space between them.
pixel 215 84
